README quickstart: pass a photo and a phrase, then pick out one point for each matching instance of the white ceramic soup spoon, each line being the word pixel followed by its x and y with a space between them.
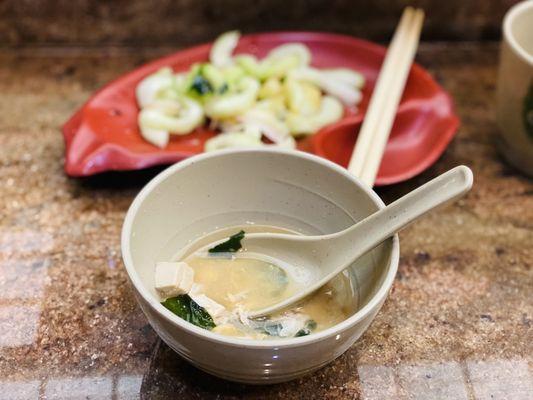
pixel 331 254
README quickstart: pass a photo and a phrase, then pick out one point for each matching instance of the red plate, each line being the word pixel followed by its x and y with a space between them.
pixel 103 135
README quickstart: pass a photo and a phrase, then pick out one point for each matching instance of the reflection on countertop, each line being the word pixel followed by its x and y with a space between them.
pixel 457 325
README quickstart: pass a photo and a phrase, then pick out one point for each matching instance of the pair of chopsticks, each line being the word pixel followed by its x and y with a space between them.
pixel 377 124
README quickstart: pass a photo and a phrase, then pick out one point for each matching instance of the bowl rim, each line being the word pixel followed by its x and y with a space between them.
pixel 508 35
pixel 155 304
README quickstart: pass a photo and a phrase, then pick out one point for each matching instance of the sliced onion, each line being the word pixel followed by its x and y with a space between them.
pixel 346 75
pixel 331 110
pixel 233 104
pixel 345 93
pixel 249 64
pixel 274 105
pixel 289 101
pixel 146 91
pixel 286 143
pixel 157 137
pixel 277 67
pixel 271 87
pixel 348 94
pixel 267 123
pixel 303 97
pixel 175 117
pixel 222 49
pixel 231 140
pixel 298 50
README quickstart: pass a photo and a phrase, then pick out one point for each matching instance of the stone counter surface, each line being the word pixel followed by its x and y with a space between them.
pixel 457 324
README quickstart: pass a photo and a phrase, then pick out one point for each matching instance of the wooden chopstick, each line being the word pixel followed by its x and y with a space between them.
pixel 375 130
pixel 394 95
pixel 364 139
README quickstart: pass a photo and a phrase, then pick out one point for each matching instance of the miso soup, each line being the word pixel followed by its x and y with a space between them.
pixel 215 287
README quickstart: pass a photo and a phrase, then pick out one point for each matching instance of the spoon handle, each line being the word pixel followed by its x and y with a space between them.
pixel 352 243
pixel 377 227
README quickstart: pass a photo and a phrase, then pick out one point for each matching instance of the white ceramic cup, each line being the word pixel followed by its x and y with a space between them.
pixel 290 189
pixel 515 87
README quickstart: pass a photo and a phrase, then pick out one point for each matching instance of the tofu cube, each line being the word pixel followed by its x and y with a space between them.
pixel 215 310
pixel 173 278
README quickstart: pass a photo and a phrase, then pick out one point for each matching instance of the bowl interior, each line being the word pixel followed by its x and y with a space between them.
pixel 292 190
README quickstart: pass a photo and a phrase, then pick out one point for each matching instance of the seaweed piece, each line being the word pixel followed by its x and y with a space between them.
pixel 231 245
pixel 309 327
pixel 186 308
pixel 223 89
pixel 275 328
pixel 201 85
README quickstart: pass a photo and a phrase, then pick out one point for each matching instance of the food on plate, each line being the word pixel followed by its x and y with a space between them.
pixel 249 101
pixel 216 286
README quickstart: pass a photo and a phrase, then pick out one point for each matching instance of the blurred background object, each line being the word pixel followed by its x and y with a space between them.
pixel 183 22
pixel 514 110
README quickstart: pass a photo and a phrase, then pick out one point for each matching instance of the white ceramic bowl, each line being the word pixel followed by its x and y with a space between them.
pixel 290 189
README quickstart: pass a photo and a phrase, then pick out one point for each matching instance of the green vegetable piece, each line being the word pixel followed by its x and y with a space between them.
pixel 231 245
pixel 213 75
pixel 201 86
pixel 309 327
pixel 223 89
pixel 186 308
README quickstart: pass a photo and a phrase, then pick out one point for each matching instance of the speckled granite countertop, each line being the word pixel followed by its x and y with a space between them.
pixel 457 325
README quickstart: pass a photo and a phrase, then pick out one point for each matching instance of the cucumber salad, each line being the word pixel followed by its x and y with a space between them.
pixel 248 101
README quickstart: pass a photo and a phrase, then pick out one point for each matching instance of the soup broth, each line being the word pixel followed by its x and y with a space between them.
pixel 231 284
pixel 241 282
